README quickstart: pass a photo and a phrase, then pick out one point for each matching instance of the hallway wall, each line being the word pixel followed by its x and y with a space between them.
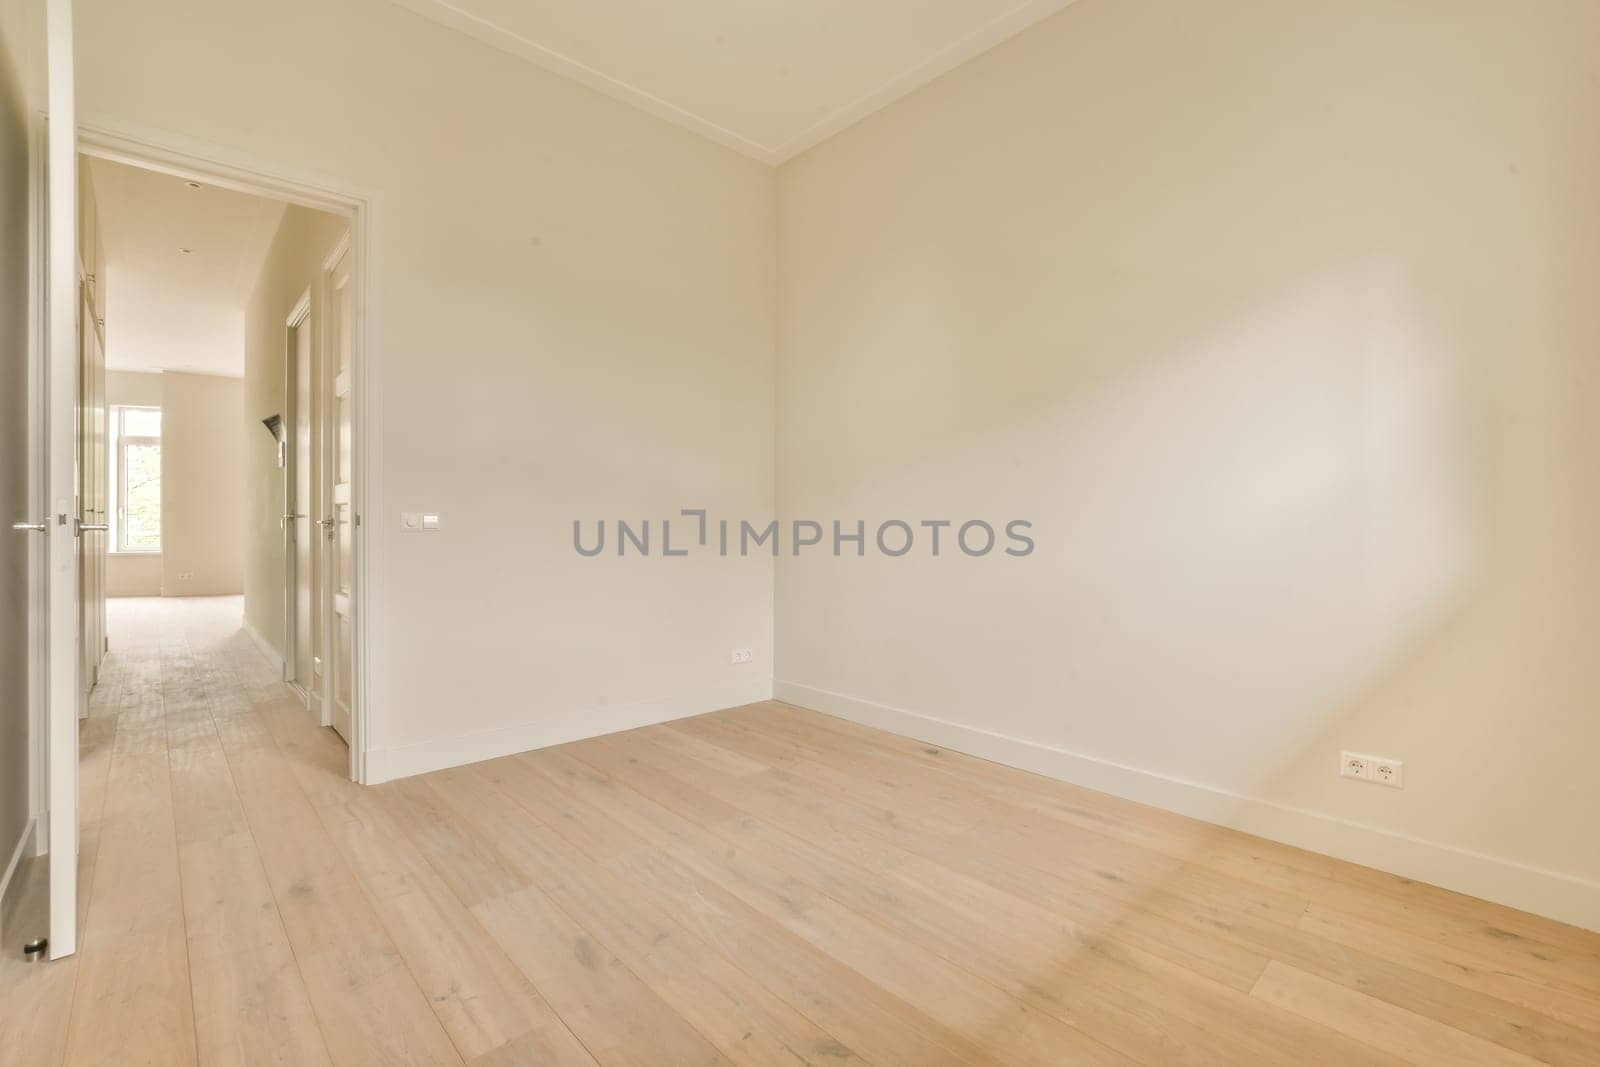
pixel 293 264
pixel 203 433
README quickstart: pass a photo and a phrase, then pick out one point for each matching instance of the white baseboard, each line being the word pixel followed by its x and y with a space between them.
pixel 422 757
pixel 1532 889
pixel 23 840
pixel 267 648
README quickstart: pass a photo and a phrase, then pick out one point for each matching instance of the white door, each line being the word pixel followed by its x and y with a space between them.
pixel 339 521
pixel 26 446
pixel 91 493
pixel 62 618
pixel 298 512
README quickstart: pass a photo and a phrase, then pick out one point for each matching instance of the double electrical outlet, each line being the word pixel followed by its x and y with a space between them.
pixel 1389 772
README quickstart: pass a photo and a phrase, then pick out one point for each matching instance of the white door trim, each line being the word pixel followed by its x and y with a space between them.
pixel 230 169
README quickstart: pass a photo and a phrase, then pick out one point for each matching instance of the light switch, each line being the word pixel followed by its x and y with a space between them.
pixel 419 521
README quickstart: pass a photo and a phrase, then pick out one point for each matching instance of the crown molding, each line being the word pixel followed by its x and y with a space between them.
pixel 997 30
pixel 497 36
pixel 942 61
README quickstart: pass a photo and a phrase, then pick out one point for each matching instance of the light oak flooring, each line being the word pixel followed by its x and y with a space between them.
pixel 764 886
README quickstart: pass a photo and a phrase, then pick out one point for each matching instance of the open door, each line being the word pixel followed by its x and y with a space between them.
pixel 64 521
pixel 299 668
pixel 338 522
pixel 92 452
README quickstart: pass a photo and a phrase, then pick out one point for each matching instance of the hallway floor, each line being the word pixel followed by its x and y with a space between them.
pixel 763 885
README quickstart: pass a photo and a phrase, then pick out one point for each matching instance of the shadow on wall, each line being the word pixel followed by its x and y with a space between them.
pixel 1272 533
pixel 1271 528
pixel 1297 391
pixel 1270 512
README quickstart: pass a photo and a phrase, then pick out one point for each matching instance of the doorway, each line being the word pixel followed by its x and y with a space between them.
pixel 320 639
pixel 76 684
pixel 56 518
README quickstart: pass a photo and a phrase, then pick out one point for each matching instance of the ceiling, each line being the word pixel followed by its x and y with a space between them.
pixel 167 309
pixel 770 78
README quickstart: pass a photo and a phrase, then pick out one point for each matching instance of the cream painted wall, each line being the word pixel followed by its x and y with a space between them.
pixel 202 484
pixel 293 265
pixel 1279 321
pixel 141 388
pixel 133 573
pixel 575 322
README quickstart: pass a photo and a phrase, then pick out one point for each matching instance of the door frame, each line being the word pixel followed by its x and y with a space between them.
pixel 227 169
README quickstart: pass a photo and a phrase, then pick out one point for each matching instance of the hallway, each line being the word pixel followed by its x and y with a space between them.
pixel 185 795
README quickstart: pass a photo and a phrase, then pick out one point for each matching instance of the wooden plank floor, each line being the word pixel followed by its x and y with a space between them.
pixel 764 885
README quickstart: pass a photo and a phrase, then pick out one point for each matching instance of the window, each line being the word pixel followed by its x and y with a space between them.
pixel 136 478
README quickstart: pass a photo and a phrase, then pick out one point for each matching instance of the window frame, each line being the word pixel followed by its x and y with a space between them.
pixel 123 439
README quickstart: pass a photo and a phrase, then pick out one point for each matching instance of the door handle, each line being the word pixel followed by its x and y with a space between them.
pixel 36 527
pixel 326 524
pixel 291 516
pixel 92 527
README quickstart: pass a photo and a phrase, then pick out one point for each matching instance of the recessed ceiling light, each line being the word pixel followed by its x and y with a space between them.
pixel 192 185
pixel 186 251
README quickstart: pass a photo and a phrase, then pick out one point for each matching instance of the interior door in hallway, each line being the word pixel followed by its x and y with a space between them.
pixel 297 525
pixel 93 502
pixel 340 555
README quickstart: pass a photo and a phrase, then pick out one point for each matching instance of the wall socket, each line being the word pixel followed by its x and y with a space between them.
pixel 741 655
pixel 1378 769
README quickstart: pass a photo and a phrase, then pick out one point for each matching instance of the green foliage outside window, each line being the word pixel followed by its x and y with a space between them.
pixel 143 515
